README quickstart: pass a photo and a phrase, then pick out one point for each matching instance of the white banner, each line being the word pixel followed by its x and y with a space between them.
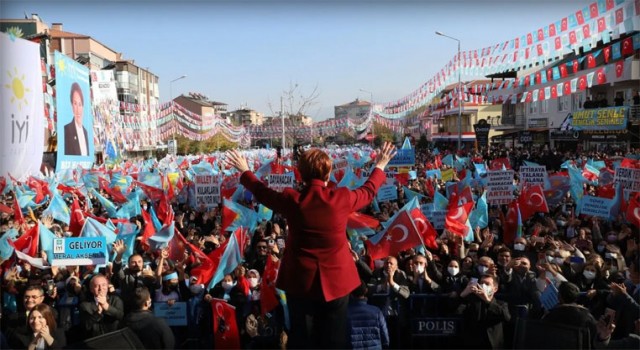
pixel 107 122
pixel 387 193
pixel 207 191
pixel 21 107
pixel 534 175
pixel 628 178
pixel 500 186
pixel 279 182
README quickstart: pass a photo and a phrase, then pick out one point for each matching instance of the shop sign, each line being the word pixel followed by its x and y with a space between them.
pixel 604 135
pixel 612 118
pixel 564 135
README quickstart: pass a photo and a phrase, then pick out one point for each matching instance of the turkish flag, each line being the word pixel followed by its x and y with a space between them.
pixel 633 210
pixel 593 10
pixel 40 187
pixel 563 70
pixel 627 46
pixel 572 37
pixel 549 74
pixel 539 50
pixel 17 212
pixel 567 88
pixel 5 209
pixel 576 66
pixel 497 164
pixel 510 225
pixel 154 193
pixel 529 39
pixel 609 5
pixel 554 92
pixel 552 29
pixel 527 80
pixel 541 94
pixel 606 191
pixel 601 76
pixel 357 219
pixel 401 235
pixel 591 61
pixel 225 328
pixel 425 229
pixel 540 34
pixel 579 17
pixel 116 196
pixel 149 230
pixel 564 24
pixel 606 52
pixel 531 201
pixel 456 219
pixel 619 15
pixel 538 78
pixel 602 24
pixel 28 242
pixel 77 218
pixel 228 186
pixel 582 82
pixel 268 293
pixel 619 68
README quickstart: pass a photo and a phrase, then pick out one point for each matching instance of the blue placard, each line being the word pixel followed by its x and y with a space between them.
pixel 387 193
pixel 174 315
pixel 404 157
pixel 595 206
pixel 79 251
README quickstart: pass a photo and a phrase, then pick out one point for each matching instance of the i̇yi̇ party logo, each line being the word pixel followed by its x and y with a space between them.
pixel 19 99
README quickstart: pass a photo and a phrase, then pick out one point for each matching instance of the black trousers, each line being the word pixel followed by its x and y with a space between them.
pixel 318 324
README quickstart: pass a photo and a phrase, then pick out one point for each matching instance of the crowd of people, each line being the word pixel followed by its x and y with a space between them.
pixel 485 286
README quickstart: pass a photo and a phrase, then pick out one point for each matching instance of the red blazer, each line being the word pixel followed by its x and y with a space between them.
pixel 317 263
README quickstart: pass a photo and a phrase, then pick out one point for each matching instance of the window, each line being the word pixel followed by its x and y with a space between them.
pixel 578 100
pixel 544 106
pixel 564 102
pixel 533 107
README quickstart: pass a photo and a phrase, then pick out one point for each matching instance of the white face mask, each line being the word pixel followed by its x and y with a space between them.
pixel 589 275
pixel 550 259
pixel 253 282
pixel 487 289
pixel 518 247
pixel 482 269
pixel 196 288
pixel 420 268
pixel 227 286
pixel 453 270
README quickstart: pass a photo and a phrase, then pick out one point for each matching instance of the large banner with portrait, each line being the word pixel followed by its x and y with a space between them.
pixel 106 112
pixel 75 116
pixel 21 107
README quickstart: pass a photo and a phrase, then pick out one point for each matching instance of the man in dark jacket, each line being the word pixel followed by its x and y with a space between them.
pixel 153 332
pixel 568 313
pixel 484 316
pixel 103 313
pixel 368 328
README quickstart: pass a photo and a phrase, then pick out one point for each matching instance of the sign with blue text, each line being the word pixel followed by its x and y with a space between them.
pixel 595 206
pixel 387 193
pixel 79 251
pixel 404 157
pixel 174 315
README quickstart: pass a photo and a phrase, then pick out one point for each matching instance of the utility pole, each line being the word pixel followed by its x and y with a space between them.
pixel 282 117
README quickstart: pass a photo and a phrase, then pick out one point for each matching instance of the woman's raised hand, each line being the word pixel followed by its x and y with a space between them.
pixel 236 160
pixel 383 157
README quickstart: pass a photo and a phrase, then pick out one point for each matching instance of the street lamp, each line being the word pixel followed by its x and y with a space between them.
pixel 459 91
pixel 171 99
pixel 373 125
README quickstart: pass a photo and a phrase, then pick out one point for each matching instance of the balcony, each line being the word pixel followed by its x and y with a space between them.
pixel 507 122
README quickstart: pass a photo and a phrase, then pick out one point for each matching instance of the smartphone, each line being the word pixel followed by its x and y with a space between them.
pixel 280 242
pixel 51 285
pixel 474 280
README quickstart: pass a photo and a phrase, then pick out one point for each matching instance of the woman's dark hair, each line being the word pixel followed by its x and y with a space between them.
pixel 47 313
pixel 75 88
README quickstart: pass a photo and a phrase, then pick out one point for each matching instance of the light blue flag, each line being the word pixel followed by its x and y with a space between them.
pixel 110 225
pixel 413 175
pixel 406 144
pixel 25 197
pixel 614 208
pixel 566 164
pixel 409 194
pixel 131 208
pixel 93 228
pixel 480 215
pixel 434 173
pixel 596 164
pixel 46 240
pixel 576 186
pixel 349 180
pixel 435 151
pixel 230 259
pixel 129 243
pixel 481 169
pixel 264 213
pixel 246 217
pixel 448 160
pixel 58 209
pixel 376 206
pixel 470 237
pixel 106 204
pixel 120 182
pixel 528 163
pixel 157 225
pixel 150 179
pixel 162 237
pixel 6 249
pixel 440 202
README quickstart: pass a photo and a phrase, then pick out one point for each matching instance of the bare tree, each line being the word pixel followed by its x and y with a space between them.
pixel 295 102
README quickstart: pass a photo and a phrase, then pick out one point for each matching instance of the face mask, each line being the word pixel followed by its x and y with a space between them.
pixel 487 289
pixel 253 282
pixel 561 223
pixel 144 207
pixel 196 288
pixel 518 247
pixel 613 269
pixel 550 258
pixel 601 248
pixel 420 268
pixel 482 269
pixel 227 286
pixel 453 270
pixel 558 261
pixel 589 275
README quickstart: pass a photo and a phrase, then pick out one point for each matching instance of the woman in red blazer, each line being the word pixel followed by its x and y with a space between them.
pixel 317 270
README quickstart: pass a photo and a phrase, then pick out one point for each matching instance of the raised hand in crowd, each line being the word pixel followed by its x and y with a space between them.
pixel 119 247
pixel 47 221
pixel 236 160
pixel 384 155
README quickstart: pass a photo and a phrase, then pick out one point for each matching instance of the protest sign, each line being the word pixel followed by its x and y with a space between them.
pixel 174 315
pixel 534 175
pixel 403 157
pixel 79 251
pixel 628 178
pixel 436 217
pixel 595 206
pixel 387 193
pixel 207 190
pixel 279 182
pixel 500 187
